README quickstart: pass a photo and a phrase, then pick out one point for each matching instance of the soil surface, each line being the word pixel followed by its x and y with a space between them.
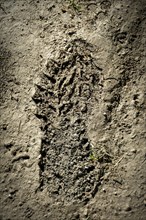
pixel 72 113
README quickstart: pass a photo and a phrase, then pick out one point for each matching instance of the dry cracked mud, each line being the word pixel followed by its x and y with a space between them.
pixel 73 105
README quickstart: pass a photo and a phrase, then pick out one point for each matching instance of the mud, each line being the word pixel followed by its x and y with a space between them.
pixel 73 102
pixel 65 99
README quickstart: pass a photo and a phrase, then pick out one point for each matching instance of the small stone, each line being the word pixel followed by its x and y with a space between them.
pixel 4 126
pixel 133 150
pixel 88 189
pixel 88 179
pixel 104 190
pixel 39 157
pixel 128 208
pixel 91 181
pixel 3 180
pixel 71 163
pixel 50 6
pixel 84 108
pixel 10 196
pixel 20 203
pixel 136 58
pixel 70 49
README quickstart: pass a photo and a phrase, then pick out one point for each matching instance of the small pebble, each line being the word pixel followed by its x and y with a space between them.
pixel 39 157
pixel 136 58
pixel 104 190
pixel 128 208
pixel 10 196
pixel 133 150
pixel 88 189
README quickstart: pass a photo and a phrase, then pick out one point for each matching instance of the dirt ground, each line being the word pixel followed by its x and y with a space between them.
pixel 72 113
